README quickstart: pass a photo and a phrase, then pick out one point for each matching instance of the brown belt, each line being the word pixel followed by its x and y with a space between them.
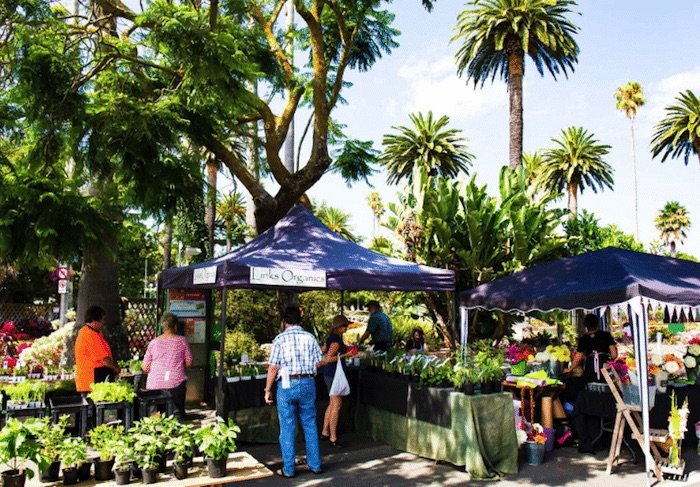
pixel 301 376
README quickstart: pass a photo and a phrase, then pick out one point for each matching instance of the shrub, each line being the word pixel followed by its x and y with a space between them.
pixel 240 343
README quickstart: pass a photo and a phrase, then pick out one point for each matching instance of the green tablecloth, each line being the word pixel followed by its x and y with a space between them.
pixel 482 436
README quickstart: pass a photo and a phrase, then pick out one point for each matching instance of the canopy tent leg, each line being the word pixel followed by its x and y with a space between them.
pixel 638 317
pixel 342 302
pixel 220 392
pixel 463 329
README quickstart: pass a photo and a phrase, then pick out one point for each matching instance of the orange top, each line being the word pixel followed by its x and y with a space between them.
pixel 90 350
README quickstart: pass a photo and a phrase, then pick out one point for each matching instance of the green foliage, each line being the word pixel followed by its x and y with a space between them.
pixel 182 444
pixel 137 243
pixel 435 374
pixel 354 161
pixel 404 325
pixel 240 343
pixel 216 440
pixel 336 220
pixel 26 391
pixel 19 444
pixel 107 440
pixel 672 222
pixel 124 455
pixel 112 392
pixel 629 98
pixel 678 133
pixel 73 452
pixel 51 437
pixel 584 234
pixel 150 438
pixel 253 312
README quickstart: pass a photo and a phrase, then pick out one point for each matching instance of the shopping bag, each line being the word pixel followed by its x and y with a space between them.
pixel 340 386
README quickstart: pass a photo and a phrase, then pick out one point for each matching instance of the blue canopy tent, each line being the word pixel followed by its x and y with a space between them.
pixel 300 242
pixel 605 277
pixel 301 253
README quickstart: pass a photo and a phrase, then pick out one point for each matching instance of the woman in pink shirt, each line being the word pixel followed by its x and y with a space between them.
pixel 166 358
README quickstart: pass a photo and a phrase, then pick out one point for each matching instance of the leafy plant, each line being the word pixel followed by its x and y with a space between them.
pixel 112 392
pixel 217 440
pixel 19 444
pixel 434 374
pixel 181 444
pixel 26 391
pixel 73 452
pixel 106 440
pixel 151 437
pixel 124 455
pixel 51 436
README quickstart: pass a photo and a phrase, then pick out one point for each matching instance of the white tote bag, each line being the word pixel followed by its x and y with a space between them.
pixel 340 386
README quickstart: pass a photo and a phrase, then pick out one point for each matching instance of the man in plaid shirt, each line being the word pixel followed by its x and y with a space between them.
pixel 294 360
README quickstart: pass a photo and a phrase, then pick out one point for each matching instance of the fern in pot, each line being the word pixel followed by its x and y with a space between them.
pixel 73 454
pixel 216 441
pixel 106 440
pixel 19 445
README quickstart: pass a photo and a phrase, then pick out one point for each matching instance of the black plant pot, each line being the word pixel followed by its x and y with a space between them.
pixel 162 463
pixel 180 470
pixel 85 471
pixel 122 477
pixel 149 475
pixel 12 478
pixel 486 387
pixel 103 469
pixel 135 471
pixel 497 386
pixel 468 388
pixel 216 468
pixel 70 476
pixel 51 473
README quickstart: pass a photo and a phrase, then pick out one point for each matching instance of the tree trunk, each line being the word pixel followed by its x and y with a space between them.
pixel 442 317
pixel 636 189
pixel 99 285
pixel 572 191
pixel 167 246
pixel 673 248
pixel 289 140
pixel 210 215
pixel 516 61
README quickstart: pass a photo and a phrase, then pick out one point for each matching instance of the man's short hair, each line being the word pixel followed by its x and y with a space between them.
pixel 374 303
pixel 292 315
pixel 591 322
pixel 94 313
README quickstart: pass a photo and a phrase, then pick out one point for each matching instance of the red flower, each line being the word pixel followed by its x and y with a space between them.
pixel 23 346
pixel 22 336
pixel 8 363
pixel 8 328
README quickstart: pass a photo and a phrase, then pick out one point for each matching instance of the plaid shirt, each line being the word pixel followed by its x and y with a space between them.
pixel 296 349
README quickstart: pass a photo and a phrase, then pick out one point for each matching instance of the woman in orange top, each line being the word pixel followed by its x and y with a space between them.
pixel 93 356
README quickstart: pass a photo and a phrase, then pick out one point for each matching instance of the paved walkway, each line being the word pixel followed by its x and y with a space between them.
pixel 367 463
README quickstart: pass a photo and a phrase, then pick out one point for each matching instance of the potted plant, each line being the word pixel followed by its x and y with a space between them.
pixel 153 433
pixel 112 392
pixel 124 458
pixel 105 439
pixel 182 446
pixel 148 455
pixel 50 437
pixel 73 455
pixel 216 441
pixel 19 444
pixel 26 394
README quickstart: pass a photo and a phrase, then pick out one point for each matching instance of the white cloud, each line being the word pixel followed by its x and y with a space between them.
pixel 664 93
pixel 434 85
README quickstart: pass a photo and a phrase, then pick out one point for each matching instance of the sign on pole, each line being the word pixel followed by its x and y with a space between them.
pixel 62 286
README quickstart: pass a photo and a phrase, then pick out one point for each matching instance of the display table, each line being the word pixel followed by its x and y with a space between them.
pixel 480 434
pixel 533 397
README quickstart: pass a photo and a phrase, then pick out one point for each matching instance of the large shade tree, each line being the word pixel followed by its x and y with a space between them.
pixel 672 222
pixel 628 99
pixel 576 162
pixel 497 35
pixel 678 133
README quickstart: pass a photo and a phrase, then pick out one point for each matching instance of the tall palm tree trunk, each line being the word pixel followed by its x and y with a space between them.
pixel 167 246
pixel 636 190
pixel 572 191
pixel 673 248
pixel 210 214
pixel 516 61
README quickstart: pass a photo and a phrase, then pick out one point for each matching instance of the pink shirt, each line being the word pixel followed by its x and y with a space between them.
pixel 167 357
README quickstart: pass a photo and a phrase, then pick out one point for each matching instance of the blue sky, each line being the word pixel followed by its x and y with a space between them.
pixel 645 41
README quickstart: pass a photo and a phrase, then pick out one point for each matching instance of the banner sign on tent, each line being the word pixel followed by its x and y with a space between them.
pixel 287 277
pixel 204 275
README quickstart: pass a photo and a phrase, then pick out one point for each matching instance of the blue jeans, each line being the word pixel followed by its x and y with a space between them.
pixel 299 400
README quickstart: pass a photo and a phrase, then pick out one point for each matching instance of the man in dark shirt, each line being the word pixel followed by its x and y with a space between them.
pixel 596 347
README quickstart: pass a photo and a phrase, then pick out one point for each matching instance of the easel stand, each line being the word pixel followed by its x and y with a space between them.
pixel 631 415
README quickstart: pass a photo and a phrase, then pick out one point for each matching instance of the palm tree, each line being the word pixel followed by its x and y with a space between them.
pixel 497 34
pixel 672 221
pixel 679 133
pixel 628 99
pixel 429 146
pixel 576 162
pixel 375 203
pixel 337 220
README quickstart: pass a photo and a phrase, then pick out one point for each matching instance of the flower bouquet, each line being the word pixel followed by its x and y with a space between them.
pixel 518 357
pixel 535 438
pixel 677 426
pixel 692 359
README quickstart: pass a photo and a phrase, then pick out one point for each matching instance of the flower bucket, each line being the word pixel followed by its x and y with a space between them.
pixel 630 394
pixel 519 369
pixel 534 453
pixel 549 442
pixel 555 369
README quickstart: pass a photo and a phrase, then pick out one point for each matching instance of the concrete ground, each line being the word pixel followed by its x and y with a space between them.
pixel 366 463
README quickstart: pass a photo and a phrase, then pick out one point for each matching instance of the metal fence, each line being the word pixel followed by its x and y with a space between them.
pixel 19 311
pixel 139 322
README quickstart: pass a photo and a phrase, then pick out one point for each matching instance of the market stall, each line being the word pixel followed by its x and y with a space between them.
pixel 608 277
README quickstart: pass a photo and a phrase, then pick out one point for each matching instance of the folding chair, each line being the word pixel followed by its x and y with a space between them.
pixel 629 414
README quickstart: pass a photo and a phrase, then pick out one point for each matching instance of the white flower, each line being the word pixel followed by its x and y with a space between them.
pixel 690 362
pixel 542 356
pixel 672 367
pixel 657 359
pixel 694 349
pixel 521 435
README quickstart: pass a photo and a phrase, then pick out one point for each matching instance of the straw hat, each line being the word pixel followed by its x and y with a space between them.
pixel 339 321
